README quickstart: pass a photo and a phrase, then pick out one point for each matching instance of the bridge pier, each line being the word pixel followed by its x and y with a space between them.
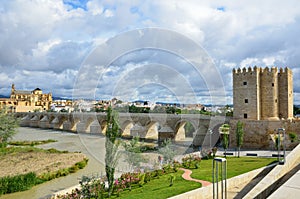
pixel 34 122
pixel 81 127
pixel 44 122
pixel 136 131
pixel 165 133
pixel 95 127
pixel 67 126
pixel 199 138
pixel 25 121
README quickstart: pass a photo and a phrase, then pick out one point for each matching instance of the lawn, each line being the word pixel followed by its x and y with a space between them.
pixel 235 166
pixel 159 188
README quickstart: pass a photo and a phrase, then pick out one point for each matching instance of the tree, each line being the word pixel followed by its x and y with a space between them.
pixel 133 153
pixel 167 151
pixel 225 142
pixel 224 129
pixel 112 143
pixel 239 136
pixel 8 126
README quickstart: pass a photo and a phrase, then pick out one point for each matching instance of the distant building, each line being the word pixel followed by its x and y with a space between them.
pixel 62 106
pixel 263 94
pixel 26 101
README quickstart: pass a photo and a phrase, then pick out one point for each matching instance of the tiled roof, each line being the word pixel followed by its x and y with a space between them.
pixel 22 92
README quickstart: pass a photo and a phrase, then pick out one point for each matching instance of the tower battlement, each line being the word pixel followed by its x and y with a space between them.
pixel 245 70
pixel 263 93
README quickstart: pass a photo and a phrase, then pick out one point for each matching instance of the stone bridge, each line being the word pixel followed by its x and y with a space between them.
pixel 153 126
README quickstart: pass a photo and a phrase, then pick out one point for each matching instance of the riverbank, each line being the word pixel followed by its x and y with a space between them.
pixel 39 162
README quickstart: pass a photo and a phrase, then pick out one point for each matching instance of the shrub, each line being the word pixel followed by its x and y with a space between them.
pixel 18 183
pixel 91 187
pixel 293 136
pixel 82 163
pixel 142 180
pixel 172 179
pixel 191 161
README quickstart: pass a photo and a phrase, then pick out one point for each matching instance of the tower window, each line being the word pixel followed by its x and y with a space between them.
pixel 246 100
pixel 245 115
pixel 275 100
pixel 272 84
pixel 244 83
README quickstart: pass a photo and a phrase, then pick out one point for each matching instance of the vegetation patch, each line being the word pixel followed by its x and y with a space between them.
pixel 165 182
pixel 30 143
pixel 29 166
pixel 18 183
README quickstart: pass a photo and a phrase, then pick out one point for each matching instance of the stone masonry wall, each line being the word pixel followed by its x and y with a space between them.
pixel 262 94
pixel 258 134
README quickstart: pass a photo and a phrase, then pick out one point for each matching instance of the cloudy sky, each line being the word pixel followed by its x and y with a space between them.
pixel 175 50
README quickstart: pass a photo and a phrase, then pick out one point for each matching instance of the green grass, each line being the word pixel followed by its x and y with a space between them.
pixel 159 188
pixel 15 150
pixel 30 143
pixel 235 166
pixel 18 183
pixel 26 149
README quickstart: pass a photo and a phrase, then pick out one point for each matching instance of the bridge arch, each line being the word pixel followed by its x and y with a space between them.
pixel 180 130
pixel 152 130
pixel 126 127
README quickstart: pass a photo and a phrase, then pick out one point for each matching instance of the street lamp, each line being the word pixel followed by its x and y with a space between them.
pixel 279 143
pixel 210 134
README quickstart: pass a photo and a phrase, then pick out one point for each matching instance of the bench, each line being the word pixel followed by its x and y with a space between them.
pixel 228 153
pixel 276 155
pixel 251 154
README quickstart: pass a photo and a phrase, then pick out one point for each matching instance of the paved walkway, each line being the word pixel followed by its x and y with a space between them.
pixel 290 189
pixel 187 176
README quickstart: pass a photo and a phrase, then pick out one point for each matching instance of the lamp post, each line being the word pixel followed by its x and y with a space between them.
pixel 279 143
pixel 210 134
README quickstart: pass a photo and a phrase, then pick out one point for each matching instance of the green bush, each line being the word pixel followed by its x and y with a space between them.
pixel 172 179
pixel 82 163
pixel 293 136
pixel 18 183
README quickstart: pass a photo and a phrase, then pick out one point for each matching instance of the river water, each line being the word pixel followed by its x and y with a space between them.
pixel 90 145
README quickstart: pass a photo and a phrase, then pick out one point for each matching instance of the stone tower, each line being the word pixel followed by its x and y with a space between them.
pixel 262 94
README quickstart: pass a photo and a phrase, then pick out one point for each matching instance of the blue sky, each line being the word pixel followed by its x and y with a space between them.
pixel 47 44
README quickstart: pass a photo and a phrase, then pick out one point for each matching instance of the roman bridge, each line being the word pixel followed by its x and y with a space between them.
pixel 154 126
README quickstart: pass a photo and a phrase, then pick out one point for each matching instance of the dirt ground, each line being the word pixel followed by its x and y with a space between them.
pixel 38 162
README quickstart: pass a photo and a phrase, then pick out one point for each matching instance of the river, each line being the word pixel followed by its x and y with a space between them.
pixel 90 145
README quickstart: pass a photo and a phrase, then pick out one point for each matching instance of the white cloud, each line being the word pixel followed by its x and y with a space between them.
pixel 55 36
